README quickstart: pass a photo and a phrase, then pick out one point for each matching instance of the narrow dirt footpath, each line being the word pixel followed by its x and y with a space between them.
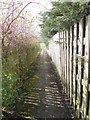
pixel 43 95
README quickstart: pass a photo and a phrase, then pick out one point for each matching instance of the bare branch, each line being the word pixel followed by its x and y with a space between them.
pixel 10 14
pixel 21 12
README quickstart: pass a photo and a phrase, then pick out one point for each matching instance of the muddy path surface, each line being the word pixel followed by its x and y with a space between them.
pixel 43 95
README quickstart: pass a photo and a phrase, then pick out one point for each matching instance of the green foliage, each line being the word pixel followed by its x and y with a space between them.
pixel 19 49
pixel 9 89
pixel 62 16
pixel 16 62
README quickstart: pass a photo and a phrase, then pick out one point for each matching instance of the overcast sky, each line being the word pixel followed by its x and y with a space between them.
pixel 35 9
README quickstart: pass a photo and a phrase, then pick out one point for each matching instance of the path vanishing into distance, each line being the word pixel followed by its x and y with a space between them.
pixel 43 95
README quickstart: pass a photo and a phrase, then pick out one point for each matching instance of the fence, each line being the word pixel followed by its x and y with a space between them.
pixel 70 52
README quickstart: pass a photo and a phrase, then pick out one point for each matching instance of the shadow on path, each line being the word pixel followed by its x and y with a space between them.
pixel 43 95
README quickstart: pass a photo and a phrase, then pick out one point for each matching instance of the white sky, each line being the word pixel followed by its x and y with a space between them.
pixel 35 9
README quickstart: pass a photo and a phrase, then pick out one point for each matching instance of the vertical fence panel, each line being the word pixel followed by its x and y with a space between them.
pixel 65 61
pixel 86 80
pixel 74 64
pixel 62 60
pixel 65 49
pixel 88 34
pixel 79 80
pixel 72 59
pixel 60 52
pixel 71 63
pixel 68 61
